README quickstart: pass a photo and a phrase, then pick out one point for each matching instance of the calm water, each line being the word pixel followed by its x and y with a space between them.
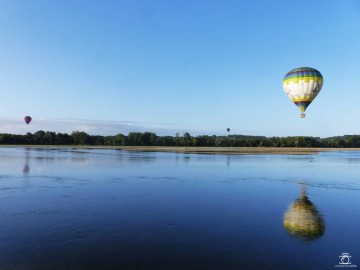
pixel 106 209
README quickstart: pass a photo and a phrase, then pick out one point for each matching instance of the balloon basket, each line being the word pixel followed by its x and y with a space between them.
pixel 302 115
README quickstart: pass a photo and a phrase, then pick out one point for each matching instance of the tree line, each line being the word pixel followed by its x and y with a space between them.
pixel 151 139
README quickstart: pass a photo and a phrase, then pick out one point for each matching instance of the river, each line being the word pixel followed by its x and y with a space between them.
pixel 76 209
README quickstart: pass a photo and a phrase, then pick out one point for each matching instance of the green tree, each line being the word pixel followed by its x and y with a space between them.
pixel 80 137
pixel 187 139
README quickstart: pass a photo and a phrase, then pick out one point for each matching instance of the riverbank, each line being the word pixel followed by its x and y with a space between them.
pixel 200 150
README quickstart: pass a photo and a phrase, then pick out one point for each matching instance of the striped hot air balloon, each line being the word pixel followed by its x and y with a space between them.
pixel 302 85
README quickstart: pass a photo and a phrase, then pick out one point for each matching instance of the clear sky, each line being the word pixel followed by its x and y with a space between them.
pixel 201 66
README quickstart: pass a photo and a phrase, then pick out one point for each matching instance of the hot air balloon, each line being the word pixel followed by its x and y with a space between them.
pixel 228 129
pixel 27 119
pixel 302 85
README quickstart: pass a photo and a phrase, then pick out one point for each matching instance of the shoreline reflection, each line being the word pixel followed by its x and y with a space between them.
pixel 303 220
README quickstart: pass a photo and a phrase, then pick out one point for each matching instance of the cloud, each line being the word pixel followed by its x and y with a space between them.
pixel 92 127
pixel 106 127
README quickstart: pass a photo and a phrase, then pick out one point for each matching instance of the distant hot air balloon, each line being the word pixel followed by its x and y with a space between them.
pixel 228 129
pixel 302 85
pixel 27 119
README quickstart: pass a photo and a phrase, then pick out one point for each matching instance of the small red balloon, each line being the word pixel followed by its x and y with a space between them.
pixel 27 119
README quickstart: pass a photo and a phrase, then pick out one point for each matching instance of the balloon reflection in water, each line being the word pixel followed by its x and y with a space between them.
pixel 303 220
pixel 26 169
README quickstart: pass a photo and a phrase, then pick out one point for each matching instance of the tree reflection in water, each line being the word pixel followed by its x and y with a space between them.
pixel 303 220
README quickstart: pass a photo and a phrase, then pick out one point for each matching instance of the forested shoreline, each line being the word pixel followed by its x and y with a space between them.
pixel 151 139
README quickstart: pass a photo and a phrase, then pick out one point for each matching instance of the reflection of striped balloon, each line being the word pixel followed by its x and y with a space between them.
pixel 303 220
pixel 302 85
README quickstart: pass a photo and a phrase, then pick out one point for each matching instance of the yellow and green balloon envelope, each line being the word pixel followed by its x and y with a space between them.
pixel 302 85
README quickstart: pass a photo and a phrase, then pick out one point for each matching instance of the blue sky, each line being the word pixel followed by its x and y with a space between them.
pixel 108 67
